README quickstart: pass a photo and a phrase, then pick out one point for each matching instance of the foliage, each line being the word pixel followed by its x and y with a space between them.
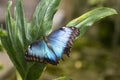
pixel 87 19
pixel 20 33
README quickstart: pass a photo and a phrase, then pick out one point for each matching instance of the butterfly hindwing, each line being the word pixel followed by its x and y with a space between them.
pixel 50 48
pixel 39 51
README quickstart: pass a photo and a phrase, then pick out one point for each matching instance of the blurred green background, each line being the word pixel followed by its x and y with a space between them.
pixel 95 56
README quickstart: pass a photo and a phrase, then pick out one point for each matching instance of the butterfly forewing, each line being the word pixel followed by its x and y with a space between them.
pixel 58 40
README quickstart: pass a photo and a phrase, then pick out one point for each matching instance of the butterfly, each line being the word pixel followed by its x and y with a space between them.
pixel 50 48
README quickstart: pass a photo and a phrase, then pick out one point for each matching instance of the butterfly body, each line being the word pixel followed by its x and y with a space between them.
pixel 50 48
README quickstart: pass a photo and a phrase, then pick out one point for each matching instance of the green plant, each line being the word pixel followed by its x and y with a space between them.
pixel 20 33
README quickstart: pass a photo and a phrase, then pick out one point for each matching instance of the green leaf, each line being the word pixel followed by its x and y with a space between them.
pixel 63 78
pixel 43 18
pixel 35 71
pixel 89 18
pixel 20 22
pixel 21 33
pixel 11 42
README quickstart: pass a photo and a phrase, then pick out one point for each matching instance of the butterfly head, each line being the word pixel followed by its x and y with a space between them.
pixel 27 52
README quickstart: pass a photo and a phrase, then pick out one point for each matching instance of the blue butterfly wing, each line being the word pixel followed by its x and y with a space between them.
pixel 59 39
pixel 39 51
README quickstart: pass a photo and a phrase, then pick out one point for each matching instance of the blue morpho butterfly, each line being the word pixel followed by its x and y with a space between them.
pixel 51 47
